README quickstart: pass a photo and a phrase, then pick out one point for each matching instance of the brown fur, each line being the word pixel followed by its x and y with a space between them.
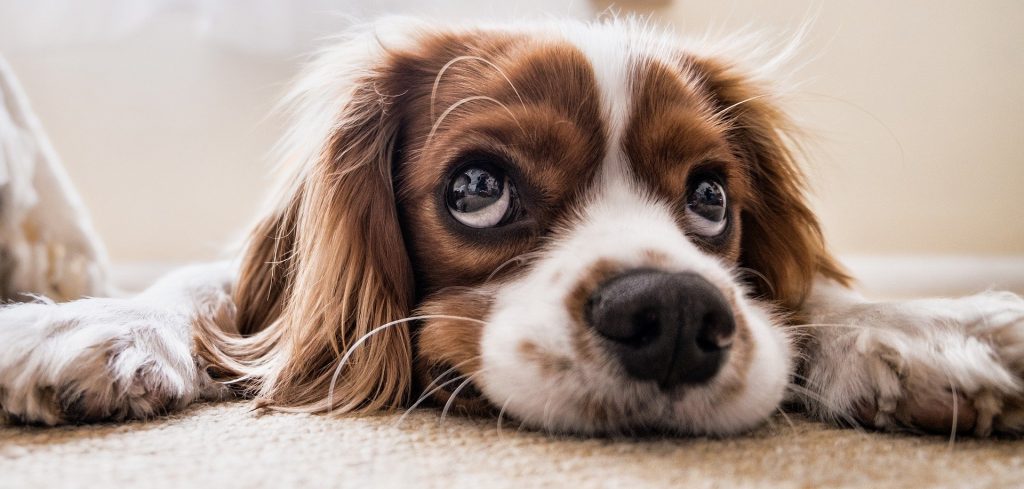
pixel 324 271
pixel 448 348
pixel 781 238
pixel 552 133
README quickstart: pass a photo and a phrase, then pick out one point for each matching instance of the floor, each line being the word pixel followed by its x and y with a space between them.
pixel 228 445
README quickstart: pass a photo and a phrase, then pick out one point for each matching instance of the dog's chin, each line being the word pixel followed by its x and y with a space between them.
pixel 646 411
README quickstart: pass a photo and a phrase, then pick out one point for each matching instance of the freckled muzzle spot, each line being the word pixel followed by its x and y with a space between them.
pixel 584 343
pixel 549 363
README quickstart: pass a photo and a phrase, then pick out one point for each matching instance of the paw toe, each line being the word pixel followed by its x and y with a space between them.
pixel 940 412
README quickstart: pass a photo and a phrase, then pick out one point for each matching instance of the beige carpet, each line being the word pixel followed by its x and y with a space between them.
pixel 226 445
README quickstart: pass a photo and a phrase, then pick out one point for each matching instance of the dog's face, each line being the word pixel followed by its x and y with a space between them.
pixel 571 210
pixel 582 199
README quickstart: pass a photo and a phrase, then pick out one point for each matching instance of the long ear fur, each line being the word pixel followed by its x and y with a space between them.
pixel 328 264
pixel 782 240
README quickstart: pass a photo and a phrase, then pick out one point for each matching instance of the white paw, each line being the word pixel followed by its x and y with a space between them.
pixel 96 359
pixel 932 365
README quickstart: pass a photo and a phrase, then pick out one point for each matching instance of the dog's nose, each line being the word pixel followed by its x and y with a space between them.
pixel 672 328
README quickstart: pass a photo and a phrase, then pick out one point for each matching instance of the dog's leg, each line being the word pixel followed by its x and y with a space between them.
pixel 930 364
pixel 111 359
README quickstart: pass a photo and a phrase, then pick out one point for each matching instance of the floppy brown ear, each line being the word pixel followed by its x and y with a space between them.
pixel 325 269
pixel 781 237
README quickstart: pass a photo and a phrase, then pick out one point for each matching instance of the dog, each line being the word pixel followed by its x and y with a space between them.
pixel 593 228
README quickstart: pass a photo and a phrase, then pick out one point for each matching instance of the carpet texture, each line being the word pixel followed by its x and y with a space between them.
pixel 227 445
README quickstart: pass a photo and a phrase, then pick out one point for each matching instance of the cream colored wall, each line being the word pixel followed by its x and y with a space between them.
pixel 161 109
pixel 917 112
pixel 165 136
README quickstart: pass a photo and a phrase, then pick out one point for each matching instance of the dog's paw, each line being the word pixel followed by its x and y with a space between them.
pixel 95 359
pixel 933 365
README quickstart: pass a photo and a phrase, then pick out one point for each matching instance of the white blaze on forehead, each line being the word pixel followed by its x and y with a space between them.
pixel 609 53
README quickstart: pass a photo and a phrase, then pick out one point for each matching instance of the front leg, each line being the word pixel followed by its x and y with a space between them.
pixel 931 364
pixel 110 359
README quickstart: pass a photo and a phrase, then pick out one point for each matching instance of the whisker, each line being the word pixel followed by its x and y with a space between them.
pixel 426 396
pixel 446 372
pixel 458 104
pixel 455 393
pixel 956 414
pixel 829 325
pixel 545 415
pixel 441 72
pixel 792 427
pixel 518 258
pixel 760 276
pixel 501 414
pixel 956 405
pixel 429 391
pixel 803 378
pixel 718 115
pixel 378 329
pixel 522 424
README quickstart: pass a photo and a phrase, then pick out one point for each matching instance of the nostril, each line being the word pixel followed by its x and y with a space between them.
pixel 716 332
pixel 707 345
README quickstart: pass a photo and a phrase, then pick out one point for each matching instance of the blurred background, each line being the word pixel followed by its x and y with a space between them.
pixel 161 110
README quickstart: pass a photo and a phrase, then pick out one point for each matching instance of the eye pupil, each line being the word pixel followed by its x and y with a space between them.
pixel 474 189
pixel 706 206
pixel 479 195
pixel 710 194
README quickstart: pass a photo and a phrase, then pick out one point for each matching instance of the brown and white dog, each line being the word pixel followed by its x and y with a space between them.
pixel 590 227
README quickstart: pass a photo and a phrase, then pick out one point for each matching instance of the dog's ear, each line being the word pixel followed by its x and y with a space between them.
pixel 781 240
pixel 328 265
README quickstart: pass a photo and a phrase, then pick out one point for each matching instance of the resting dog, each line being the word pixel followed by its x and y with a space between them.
pixel 592 228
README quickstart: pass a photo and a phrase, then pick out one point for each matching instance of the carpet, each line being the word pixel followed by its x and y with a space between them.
pixel 227 445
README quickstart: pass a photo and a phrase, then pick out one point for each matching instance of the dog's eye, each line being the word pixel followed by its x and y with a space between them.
pixel 705 207
pixel 481 196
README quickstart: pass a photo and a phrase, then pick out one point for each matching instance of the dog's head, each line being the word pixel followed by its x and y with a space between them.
pixel 593 224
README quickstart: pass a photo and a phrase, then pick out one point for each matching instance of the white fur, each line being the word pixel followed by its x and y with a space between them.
pixel 109 358
pixel 890 352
